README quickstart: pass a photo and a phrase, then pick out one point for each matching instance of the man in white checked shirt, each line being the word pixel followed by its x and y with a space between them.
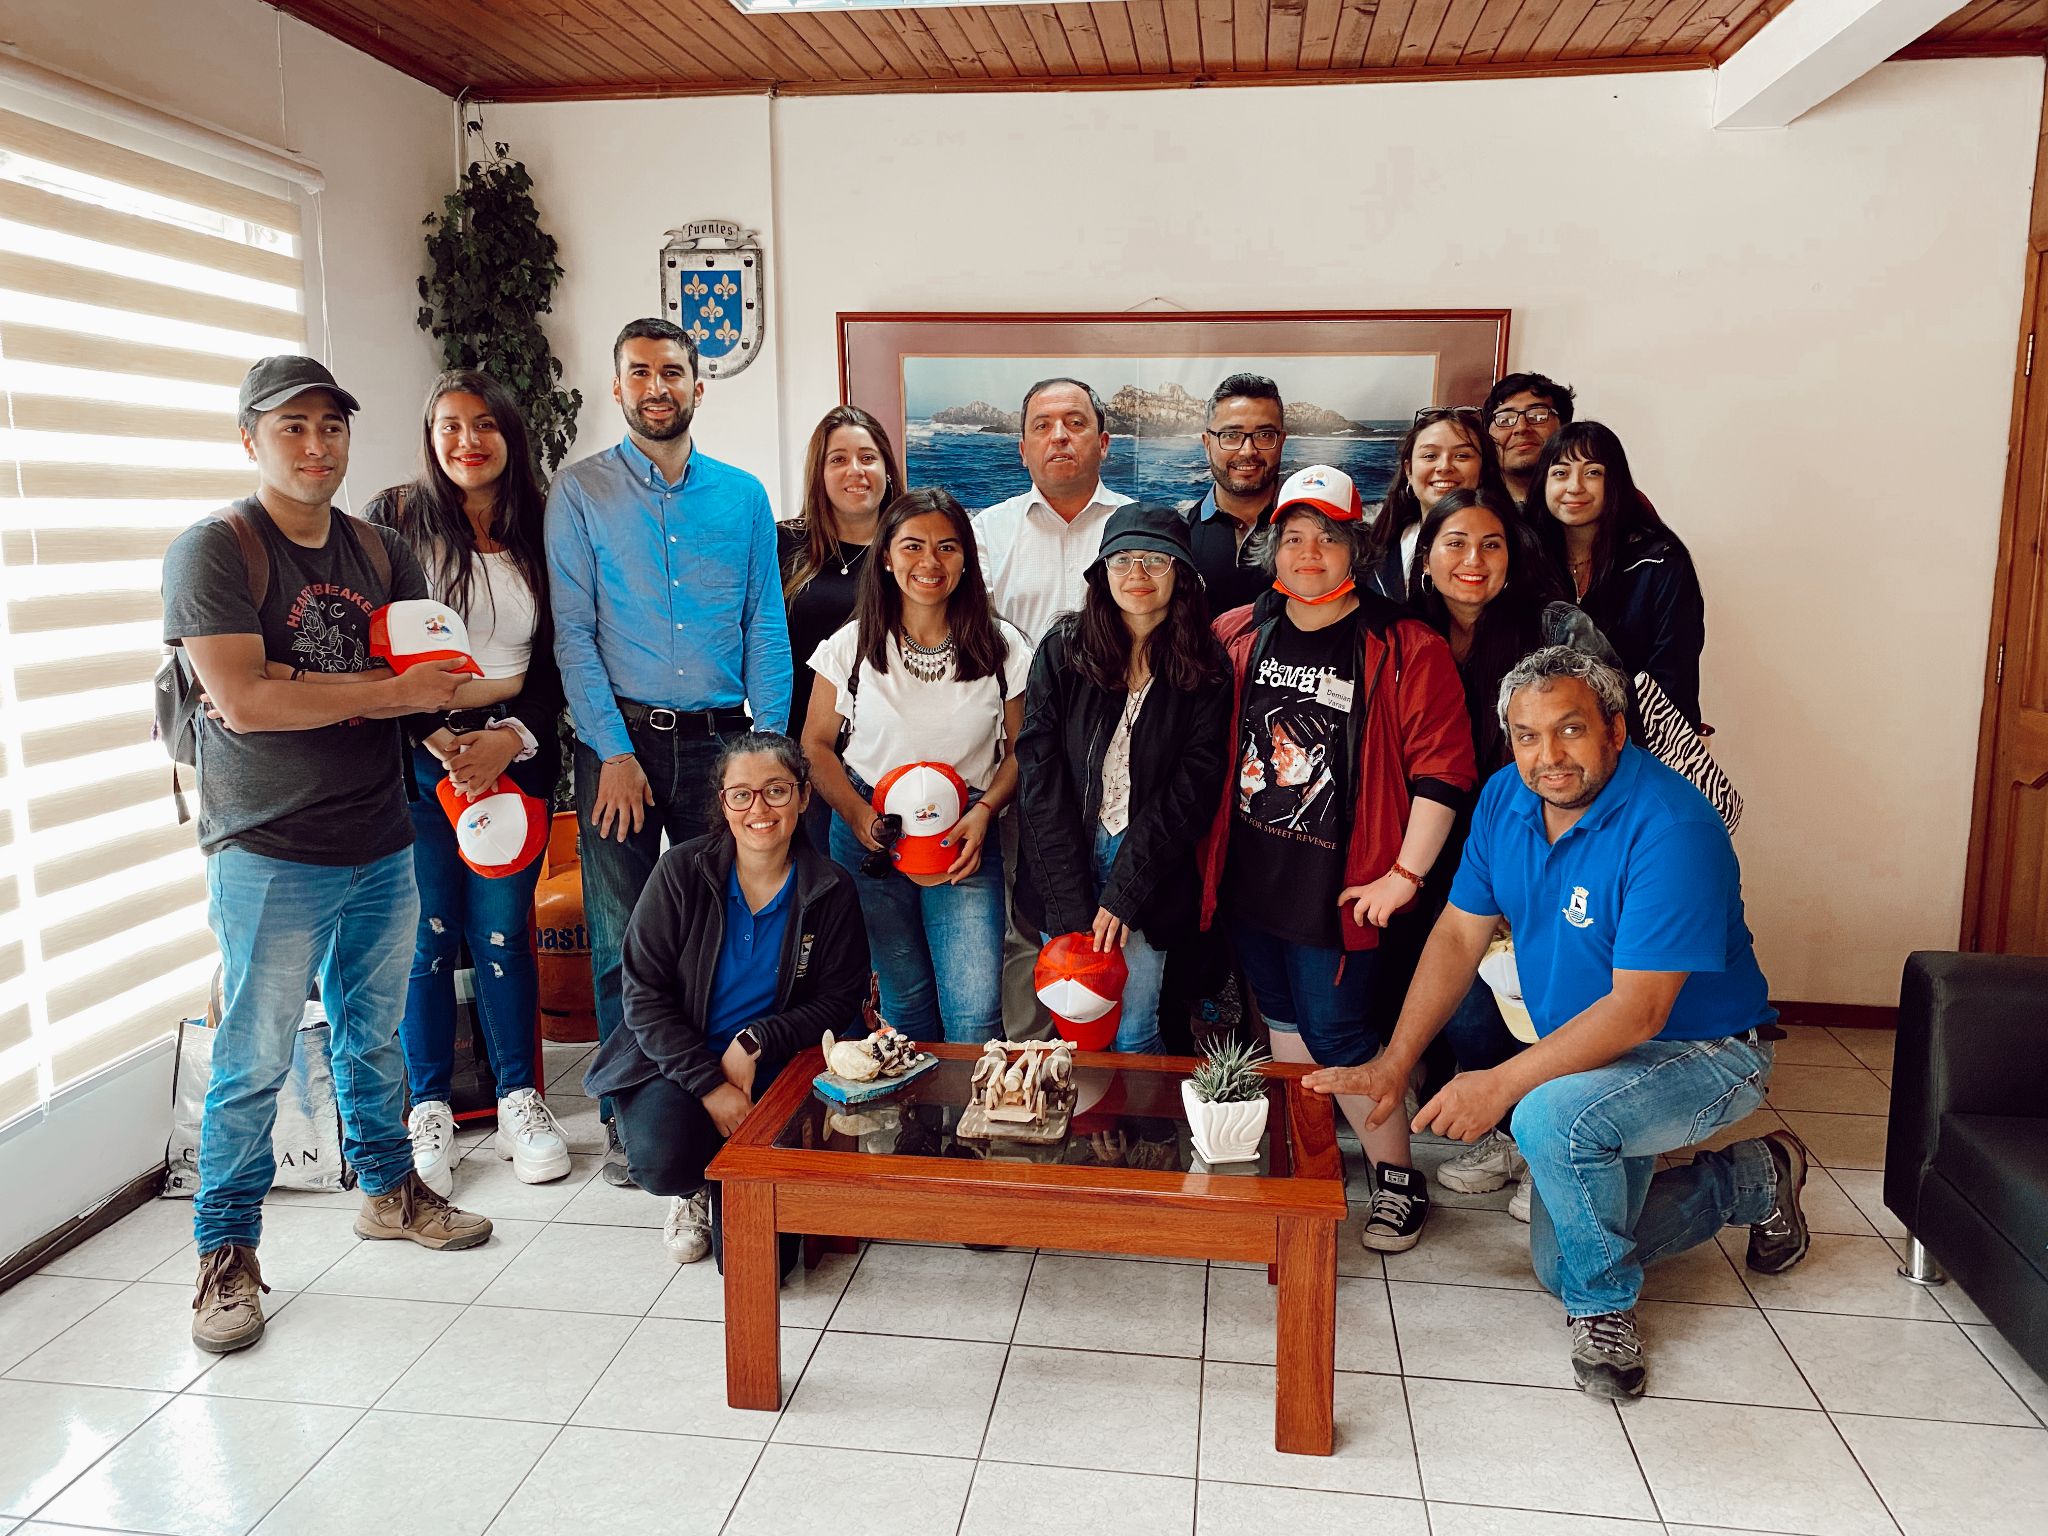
pixel 1034 549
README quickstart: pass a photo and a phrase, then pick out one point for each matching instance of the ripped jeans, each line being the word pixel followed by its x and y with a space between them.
pixel 495 916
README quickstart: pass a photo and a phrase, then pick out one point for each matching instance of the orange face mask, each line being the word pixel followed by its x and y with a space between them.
pixel 1342 589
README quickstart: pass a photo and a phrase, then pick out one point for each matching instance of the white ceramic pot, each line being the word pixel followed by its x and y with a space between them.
pixel 1224 1133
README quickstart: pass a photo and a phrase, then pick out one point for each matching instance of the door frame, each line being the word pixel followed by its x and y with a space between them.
pixel 2028 431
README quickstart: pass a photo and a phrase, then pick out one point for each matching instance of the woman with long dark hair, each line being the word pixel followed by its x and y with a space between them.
pixel 745 946
pixel 850 470
pixel 1121 760
pixel 924 674
pixel 1480 580
pixel 1446 449
pixel 472 517
pixel 1628 570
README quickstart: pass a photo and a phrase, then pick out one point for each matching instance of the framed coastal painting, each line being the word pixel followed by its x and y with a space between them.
pixel 950 387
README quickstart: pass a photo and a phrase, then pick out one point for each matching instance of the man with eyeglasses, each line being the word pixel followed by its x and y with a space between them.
pixel 745 946
pixel 1523 412
pixel 1244 431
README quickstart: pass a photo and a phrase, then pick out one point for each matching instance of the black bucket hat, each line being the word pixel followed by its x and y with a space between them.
pixel 1147 527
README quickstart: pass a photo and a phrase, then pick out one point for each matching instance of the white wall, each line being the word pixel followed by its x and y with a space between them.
pixel 1803 336
pixel 612 178
pixel 384 142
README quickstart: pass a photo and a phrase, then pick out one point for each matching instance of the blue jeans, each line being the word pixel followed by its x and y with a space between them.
pixel 1137 1027
pixel 496 917
pixel 1476 1033
pixel 679 766
pixel 280 925
pixel 1322 995
pixel 938 950
pixel 1601 1210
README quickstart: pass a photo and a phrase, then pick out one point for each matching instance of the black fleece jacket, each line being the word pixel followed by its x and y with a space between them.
pixel 1180 745
pixel 670 955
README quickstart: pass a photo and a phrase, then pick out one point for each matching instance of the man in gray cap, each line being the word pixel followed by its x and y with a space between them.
pixel 304 824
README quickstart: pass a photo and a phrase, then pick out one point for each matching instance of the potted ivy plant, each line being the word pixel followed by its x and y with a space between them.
pixel 1225 1101
pixel 491 274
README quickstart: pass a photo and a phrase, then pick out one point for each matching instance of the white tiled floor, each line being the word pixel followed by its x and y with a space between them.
pixel 567 1378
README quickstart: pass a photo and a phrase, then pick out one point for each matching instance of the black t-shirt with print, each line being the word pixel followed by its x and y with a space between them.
pixel 327 796
pixel 1286 861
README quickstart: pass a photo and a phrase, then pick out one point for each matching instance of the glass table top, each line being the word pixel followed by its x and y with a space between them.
pixel 1123 1118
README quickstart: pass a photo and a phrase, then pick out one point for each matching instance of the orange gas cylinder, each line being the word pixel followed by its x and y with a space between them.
pixel 561 942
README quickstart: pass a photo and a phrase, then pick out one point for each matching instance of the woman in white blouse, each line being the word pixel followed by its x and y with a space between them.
pixel 473 518
pixel 925 673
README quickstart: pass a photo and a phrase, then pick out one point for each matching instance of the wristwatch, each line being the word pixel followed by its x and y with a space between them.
pixel 749 1041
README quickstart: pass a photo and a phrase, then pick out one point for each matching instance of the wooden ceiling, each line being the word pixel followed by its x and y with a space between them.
pixel 564 50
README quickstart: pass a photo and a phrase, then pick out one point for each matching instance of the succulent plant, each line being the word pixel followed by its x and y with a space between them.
pixel 1229 1073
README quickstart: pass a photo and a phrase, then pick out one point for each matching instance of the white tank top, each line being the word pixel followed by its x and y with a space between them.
pixel 502 616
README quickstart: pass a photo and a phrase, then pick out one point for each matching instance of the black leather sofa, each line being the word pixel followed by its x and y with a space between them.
pixel 1966 1162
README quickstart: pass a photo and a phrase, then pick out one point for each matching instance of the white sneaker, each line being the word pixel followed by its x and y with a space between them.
pixel 1492 1162
pixel 1518 1207
pixel 431 1125
pixel 687 1231
pixel 530 1137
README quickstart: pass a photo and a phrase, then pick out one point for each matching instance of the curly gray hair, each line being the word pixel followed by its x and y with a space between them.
pixel 1554 662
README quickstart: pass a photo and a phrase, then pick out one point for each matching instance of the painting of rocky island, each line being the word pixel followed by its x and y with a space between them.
pixel 962 416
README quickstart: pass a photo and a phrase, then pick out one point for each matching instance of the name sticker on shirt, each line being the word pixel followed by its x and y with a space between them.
pixel 1334 693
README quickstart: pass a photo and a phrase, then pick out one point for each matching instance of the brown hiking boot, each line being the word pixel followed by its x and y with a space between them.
pixel 227 1312
pixel 414 1212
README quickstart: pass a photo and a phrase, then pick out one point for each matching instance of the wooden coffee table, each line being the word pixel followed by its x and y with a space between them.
pixel 1124 1180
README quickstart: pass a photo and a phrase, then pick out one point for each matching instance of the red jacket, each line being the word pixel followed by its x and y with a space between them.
pixel 1407 734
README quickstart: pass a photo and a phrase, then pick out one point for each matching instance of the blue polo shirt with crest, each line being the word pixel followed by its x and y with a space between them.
pixel 1646 880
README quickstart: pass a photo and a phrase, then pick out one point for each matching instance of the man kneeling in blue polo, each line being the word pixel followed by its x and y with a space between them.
pixel 1619 883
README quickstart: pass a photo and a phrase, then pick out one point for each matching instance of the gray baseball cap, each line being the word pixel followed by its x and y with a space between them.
pixel 274 380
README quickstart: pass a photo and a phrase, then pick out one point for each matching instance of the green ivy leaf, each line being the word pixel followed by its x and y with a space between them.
pixel 492 271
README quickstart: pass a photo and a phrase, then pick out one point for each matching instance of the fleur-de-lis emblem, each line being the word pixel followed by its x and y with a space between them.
pixel 726 333
pixel 695 288
pixel 726 287
pixel 710 309
pixel 701 332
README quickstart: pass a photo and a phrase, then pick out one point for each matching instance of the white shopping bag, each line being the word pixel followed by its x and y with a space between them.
pixel 307 1138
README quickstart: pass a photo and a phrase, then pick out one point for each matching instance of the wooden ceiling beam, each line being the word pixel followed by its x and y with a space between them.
pixel 1114 24
pixel 1083 40
pixel 1018 41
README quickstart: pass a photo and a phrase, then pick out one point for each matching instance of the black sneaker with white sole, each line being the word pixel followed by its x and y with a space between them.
pixel 1400 1204
pixel 1607 1355
pixel 1781 1239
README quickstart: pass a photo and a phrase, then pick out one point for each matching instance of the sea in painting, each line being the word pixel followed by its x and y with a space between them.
pixel 962 418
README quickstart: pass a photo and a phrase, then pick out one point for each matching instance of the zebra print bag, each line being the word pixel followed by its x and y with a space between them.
pixel 1668 734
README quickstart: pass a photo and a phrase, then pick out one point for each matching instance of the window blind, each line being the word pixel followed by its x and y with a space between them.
pixel 138 281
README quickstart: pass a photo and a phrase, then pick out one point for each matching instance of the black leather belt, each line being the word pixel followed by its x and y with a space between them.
pixel 693 722
pixel 463 721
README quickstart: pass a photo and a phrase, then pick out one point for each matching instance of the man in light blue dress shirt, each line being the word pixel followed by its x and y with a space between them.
pixel 669 630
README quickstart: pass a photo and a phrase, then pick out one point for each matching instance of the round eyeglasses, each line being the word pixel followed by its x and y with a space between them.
pixel 777 792
pixel 1152 565
pixel 1535 416
pixel 1233 438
